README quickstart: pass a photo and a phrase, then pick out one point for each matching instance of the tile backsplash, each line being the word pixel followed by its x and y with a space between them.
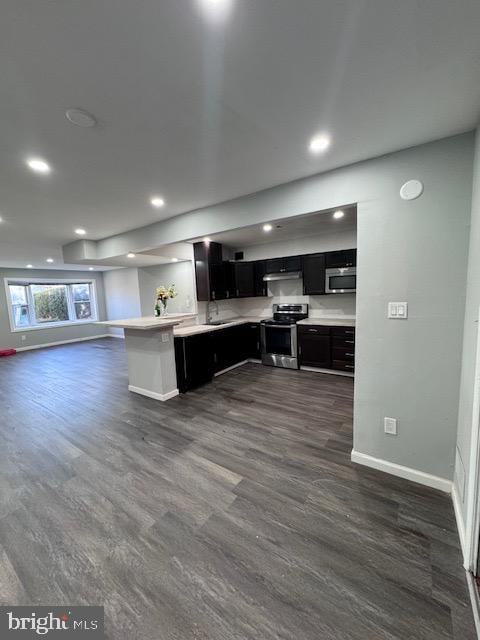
pixel 283 291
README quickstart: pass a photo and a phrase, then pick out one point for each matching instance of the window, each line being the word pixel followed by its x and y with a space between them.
pixel 43 303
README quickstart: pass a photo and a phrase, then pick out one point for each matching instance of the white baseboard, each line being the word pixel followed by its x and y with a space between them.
pixel 457 507
pixel 442 484
pixel 55 344
pixel 331 372
pixel 472 588
pixel 163 397
pixel 234 366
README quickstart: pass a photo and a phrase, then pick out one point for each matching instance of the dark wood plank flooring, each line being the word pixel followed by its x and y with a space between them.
pixel 229 513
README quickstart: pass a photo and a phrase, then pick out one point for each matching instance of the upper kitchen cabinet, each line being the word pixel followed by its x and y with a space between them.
pixel 210 272
pixel 282 265
pixel 339 259
pixel 242 279
pixel 260 284
pixel 314 274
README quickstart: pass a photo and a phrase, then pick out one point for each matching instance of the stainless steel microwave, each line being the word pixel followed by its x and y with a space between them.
pixel 342 280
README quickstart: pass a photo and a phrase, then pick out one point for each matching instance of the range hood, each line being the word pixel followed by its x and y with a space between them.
pixel 282 275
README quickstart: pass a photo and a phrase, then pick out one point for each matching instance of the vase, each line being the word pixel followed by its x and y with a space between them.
pixel 164 308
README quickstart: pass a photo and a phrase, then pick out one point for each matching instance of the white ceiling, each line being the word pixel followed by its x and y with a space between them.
pixel 202 110
pixel 295 228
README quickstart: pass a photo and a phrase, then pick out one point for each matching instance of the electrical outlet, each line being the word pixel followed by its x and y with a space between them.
pixel 164 336
pixel 390 426
pixel 24 338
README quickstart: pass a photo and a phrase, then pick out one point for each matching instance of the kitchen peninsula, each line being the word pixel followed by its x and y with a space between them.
pixel 150 353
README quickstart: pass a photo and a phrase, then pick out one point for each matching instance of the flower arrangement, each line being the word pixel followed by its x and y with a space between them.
pixel 163 295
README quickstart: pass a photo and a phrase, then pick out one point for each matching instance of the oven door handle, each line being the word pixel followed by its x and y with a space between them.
pixel 279 326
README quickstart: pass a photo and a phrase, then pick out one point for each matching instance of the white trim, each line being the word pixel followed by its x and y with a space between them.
pixel 472 526
pixel 163 397
pixel 234 366
pixel 442 484
pixel 333 372
pixel 473 590
pixel 457 507
pixel 116 335
pixel 55 344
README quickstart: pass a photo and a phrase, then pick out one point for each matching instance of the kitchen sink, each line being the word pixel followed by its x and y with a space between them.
pixel 216 323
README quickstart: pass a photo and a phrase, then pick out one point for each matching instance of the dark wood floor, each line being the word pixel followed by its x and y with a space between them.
pixel 229 513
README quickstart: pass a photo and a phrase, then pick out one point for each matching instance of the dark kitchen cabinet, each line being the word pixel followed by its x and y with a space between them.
pixel 281 265
pixel 252 341
pixel 229 347
pixel 314 346
pixel 210 272
pixel 242 279
pixel 260 284
pixel 343 348
pixel 194 359
pixel 339 259
pixel 314 274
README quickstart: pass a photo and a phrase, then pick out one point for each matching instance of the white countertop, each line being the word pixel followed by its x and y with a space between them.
pixel 149 322
pixel 194 329
pixel 329 322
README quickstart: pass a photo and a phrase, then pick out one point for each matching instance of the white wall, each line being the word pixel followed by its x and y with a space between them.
pixel 37 337
pixel 178 273
pixel 122 295
pixel 466 420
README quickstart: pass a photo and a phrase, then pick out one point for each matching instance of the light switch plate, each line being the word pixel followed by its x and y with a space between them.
pixel 164 336
pixel 398 310
pixel 390 426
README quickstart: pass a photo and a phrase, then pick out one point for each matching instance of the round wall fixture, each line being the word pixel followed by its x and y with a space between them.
pixel 411 190
pixel 80 117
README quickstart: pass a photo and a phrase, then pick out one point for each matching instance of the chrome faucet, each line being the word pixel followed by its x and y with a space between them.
pixel 208 312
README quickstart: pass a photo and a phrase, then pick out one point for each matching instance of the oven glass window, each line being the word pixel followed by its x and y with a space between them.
pixel 277 340
pixel 342 282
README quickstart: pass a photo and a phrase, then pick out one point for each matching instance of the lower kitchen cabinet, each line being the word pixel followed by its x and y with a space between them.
pixel 327 347
pixel 229 347
pixel 253 347
pixel 194 358
pixel 314 346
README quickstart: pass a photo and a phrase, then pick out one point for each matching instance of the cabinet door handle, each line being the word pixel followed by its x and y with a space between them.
pixel 299 350
pixel 238 293
pixel 313 330
pixel 213 295
pixel 228 293
pixel 350 354
pixel 350 341
pixel 349 366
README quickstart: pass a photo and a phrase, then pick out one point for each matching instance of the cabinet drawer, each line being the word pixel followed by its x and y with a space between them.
pixel 344 332
pixel 342 365
pixel 347 342
pixel 313 329
pixel 343 353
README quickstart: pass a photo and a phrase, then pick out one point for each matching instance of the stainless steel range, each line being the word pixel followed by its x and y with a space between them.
pixel 279 335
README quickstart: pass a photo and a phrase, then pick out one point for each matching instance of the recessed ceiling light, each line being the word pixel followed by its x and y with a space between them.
pixel 216 9
pixel 38 165
pixel 207 239
pixel 80 231
pixel 90 268
pixel 80 117
pixel 174 259
pixel 29 266
pixel 319 143
pixel 267 227
pixel 338 214
pixel 130 255
pixel 50 260
pixel 157 202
